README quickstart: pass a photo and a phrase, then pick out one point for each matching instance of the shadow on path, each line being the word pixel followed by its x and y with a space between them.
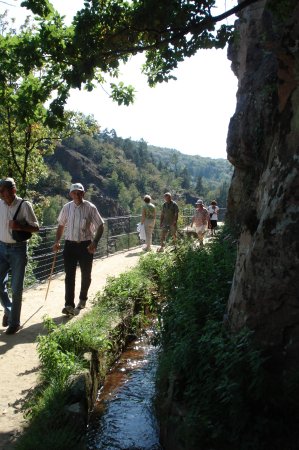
pixel 19 364
pixel 26 335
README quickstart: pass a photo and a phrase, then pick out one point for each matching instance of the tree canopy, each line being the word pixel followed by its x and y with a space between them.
pixel 45 59
pixel 107 32
pixel 29 130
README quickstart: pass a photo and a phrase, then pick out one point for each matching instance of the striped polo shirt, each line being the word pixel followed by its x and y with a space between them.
pixel 81 221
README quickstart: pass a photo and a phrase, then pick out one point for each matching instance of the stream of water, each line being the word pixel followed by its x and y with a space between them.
pixel 123 417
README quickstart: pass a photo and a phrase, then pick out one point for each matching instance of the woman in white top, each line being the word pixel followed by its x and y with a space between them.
pixel 148 218
pixel 213 211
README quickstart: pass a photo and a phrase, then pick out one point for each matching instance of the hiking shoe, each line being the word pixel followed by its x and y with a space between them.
pixel 5 320
pixel 68 310
pixel 81 305
pixel 12 329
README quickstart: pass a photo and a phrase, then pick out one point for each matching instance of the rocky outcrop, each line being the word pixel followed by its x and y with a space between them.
pixel 263 144
pixel 82 168
pixel 79 166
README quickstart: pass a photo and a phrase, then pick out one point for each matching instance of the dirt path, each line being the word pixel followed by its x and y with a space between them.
pixel 18 358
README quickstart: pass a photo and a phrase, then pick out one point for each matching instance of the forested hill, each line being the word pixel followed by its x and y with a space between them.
pixel 197 166
pixel 118 172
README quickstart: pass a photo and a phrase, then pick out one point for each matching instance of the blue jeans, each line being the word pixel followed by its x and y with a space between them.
pixel 13 257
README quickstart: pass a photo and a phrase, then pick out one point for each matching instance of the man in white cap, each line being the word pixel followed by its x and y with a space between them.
pixel 200 220
pixel 83 227
pixel 16 215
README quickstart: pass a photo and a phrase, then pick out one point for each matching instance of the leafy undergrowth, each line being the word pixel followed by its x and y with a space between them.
pixel 215 389
pixel 61 353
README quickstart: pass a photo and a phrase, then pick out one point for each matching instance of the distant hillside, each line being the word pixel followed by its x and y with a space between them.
pixel 217 170
pixel 118 172
pixel 194 171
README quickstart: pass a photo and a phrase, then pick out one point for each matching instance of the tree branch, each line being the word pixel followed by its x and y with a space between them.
pixel 234 10
pixel 193 28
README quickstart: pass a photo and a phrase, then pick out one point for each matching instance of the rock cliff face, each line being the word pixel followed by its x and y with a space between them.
pixel 262 144
pixel 82 168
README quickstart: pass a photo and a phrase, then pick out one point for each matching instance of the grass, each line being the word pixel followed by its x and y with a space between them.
pixel 62 355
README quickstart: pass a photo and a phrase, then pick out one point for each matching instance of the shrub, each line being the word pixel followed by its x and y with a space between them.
pixel 219 381
pixel 202 362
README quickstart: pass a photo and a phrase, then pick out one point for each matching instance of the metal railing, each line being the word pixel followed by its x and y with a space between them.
pixel 120 234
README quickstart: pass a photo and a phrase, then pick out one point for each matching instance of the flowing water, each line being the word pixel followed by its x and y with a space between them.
pixel 123 417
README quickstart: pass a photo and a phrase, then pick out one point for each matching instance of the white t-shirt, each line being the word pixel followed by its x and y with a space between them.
pixel 25 216
pixel 213 210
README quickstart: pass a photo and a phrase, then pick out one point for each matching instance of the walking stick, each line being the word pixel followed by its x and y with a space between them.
pixel 50 277
pixel 51 273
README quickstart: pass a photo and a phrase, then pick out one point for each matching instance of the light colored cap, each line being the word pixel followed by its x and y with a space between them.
pixel 77 187
pixel 199 202
pixel 8 183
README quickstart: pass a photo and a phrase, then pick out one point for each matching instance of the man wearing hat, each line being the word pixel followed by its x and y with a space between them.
pixel 15 215
pixel 83 227
pixel 200 220
pixel 168 220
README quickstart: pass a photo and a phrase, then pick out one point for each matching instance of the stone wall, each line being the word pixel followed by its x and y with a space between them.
pixel 262 144
pixel 85 385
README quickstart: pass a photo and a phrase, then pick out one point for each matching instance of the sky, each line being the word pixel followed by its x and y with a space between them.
pixel 190 114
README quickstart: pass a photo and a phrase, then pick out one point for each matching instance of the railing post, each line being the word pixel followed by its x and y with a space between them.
pixel 129 232
pixel 107 238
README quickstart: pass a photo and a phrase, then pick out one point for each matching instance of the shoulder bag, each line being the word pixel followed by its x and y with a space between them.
pixel 20 235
